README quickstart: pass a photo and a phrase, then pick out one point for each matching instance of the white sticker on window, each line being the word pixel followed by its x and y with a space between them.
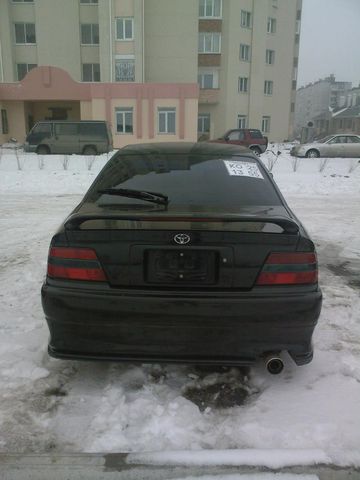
pixel 243 169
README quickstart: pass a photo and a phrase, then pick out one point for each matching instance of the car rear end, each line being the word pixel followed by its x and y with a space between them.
pixel 222 274
pixel 257 139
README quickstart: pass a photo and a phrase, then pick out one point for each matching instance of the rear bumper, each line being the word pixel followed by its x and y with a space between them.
pixel 228 329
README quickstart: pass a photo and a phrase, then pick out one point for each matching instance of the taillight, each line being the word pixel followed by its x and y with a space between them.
pixel 75 264
pixel 289 269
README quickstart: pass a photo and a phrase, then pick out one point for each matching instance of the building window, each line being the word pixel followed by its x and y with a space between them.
pixel 208 79
pixel 89 2
pixel 91 72
pixel 297 39
pixel 270 57
pixel 125 69
pixel 124 120
pixel 23 68
pixel 268 87
pixel 298 15
pixel 210 8
pixel 292 110
pixel 243 84
pixel 246 19
pixel 4 122
pixel 125 28
pixel 298 27
pixel 244 52
pixel 90 34
pixel 209 42
pixel 294 84
pixel 22 1
pixel 25 33
pixel 271 25
pixel 241 121
pixel 265 124
pixel 204 123
pixel 167 120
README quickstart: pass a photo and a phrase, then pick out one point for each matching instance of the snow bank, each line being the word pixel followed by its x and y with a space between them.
pixel 270 458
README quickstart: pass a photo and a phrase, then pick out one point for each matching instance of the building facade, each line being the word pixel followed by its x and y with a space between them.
pixel 242 53
pixel 136 112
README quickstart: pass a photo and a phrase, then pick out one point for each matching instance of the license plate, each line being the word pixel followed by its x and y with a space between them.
pixel 181 266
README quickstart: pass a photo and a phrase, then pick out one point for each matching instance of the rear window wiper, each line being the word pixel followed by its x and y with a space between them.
pixel 153 197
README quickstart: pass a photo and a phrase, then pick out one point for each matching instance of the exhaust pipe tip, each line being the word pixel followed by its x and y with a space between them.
pixel 274 365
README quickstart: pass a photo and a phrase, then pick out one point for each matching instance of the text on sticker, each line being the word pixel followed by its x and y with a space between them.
pixel 243 169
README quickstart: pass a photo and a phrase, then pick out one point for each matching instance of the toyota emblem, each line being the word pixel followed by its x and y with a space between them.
pixel 182 238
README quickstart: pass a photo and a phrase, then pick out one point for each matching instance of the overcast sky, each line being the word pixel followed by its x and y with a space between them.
pixel 330 41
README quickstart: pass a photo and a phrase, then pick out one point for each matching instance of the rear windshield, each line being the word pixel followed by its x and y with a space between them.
pixel 196 180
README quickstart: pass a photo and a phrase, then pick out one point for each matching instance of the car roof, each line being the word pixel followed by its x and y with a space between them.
pixel 186 148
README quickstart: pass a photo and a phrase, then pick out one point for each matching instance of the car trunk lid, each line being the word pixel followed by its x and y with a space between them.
pixel 161 249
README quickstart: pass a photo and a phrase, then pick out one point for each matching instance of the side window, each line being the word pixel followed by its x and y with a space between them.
pixel 44 128
pixel 93 129
pixel 234 135
pixel 338 140
pixel 66 129
pixel 353 139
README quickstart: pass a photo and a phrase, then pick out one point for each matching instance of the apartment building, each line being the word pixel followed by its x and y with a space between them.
pixel 242 53
pixel 316 101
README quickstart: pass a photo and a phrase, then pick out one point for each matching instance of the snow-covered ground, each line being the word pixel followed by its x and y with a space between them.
pixel 49 405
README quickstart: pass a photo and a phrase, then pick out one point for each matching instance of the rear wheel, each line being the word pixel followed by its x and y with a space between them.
pixel 312 153
pixel 43 150
pixel 256 150
pixel 89 150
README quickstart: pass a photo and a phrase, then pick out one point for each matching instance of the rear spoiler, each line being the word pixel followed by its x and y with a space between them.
pixel 287 224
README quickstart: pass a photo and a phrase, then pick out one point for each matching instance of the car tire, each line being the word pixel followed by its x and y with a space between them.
pixel 256 150
pixel 43 150
pixel 89 150
pixel 312 153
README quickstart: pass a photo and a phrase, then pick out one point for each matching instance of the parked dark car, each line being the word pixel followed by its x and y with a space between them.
pixel 86 137
pixel 245 137
pixel 182 253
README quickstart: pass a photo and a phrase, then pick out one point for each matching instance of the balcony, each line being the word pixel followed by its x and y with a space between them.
pixel 209 96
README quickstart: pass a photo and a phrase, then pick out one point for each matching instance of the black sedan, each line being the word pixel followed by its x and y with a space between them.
pixel 182 253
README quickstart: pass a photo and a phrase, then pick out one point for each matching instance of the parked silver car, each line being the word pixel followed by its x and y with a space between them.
pixel 339 145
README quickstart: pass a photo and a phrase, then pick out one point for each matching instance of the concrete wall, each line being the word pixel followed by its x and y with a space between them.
pixel 6 43
pixel 58 35
pixel 16 119
pixel 171 40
